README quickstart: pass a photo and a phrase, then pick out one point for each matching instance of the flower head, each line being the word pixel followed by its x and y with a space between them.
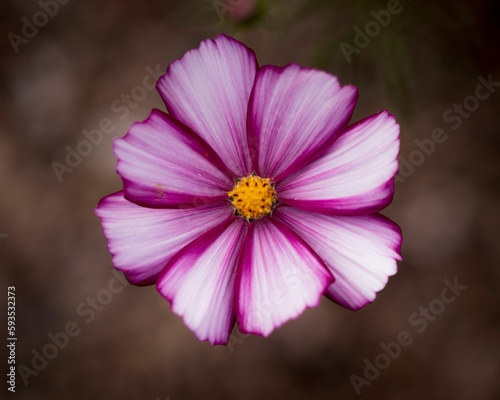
pixel 253 197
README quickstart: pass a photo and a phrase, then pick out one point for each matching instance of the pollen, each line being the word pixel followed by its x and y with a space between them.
pixel 253 197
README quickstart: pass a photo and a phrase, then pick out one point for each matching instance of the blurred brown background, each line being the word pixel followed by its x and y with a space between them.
pixel 77 70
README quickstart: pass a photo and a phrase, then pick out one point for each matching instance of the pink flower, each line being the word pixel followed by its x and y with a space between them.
pixel 252 197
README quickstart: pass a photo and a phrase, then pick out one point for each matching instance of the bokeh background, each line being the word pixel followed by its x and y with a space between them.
pixel 74 72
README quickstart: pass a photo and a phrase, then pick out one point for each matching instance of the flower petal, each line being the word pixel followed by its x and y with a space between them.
pixel 355 176
pixel 360 251
pixel 279 277
pixel 163 164
pixel 142 240
pixel 199 282
pixel 208 90
pixel 294 113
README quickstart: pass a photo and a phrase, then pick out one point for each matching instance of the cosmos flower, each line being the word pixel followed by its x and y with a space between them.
pixel 253 197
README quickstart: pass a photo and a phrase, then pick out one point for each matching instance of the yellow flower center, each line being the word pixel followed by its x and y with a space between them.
pixel 253 197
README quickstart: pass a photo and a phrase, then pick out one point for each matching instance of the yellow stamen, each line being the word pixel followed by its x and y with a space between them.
pixel 253 197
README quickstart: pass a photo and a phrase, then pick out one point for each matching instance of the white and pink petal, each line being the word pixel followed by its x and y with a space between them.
pixel 294 114
pixel 279 277
pixel 208 90
pixel 360 251
pixel 142 240
pixel 355 176
pixel 163 164
pixel 199 282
